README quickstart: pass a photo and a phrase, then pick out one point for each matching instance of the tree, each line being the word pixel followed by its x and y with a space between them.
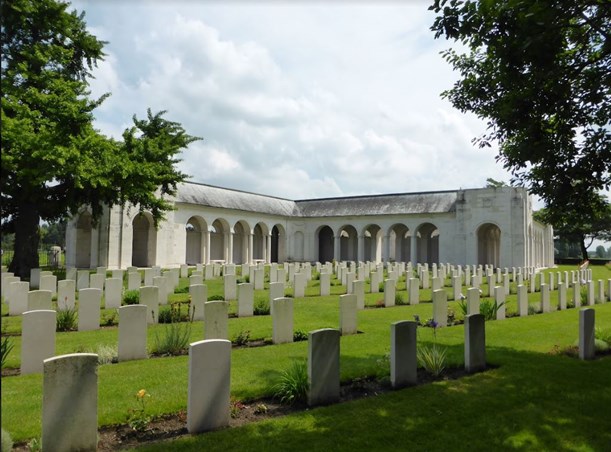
pixel 581 227
pixel 601 253
pixel 53 161
pixel 538 73
pixel 493 183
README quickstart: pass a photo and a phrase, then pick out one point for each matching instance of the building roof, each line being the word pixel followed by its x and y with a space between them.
pixel 400 203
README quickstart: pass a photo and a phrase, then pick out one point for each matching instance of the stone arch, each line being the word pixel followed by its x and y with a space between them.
pixel 324 235
pixel 83 240
pixel 348 243
pixel 427 244
pixel 218 234
pixel 278 247
pixel 372 243
pixel 194 249
pixel 489 245
pixel 241 237
pixel 144 240
pixel 400 246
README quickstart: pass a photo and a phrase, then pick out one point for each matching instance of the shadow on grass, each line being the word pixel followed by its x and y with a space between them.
pixel 533 401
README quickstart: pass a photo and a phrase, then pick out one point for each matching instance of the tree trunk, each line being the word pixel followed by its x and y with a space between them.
pixel 584 250
pixel 26 241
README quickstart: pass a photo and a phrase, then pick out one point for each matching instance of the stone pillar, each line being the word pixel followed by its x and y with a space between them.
pixel 216 320
pixel 385 248
pixel 475 343
pixel 337 248
pixel 132 332
pixel 70 402
pixel 323 366
pixel 268 248
pixel 209 385
pixel 246 299
pixel 403 354
pixel 361 249
pixel 347 314
pixel 586 333
pixel 413 248
pixel 282 320
pixel 440 307
pixel 206 246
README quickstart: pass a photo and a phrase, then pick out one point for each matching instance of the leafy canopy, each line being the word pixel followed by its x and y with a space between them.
pixel 538 72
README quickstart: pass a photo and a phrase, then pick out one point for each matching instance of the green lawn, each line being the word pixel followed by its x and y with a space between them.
pixel 533 400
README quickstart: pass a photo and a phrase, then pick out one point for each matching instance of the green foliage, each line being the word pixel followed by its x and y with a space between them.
pixel 107 354
pixel 131 297
pixel 400 299
pixel 488 308
pixel 216 298
pixel 432 358
pixel 66 320
pixel 241 338
pixel 54 161
pixel 137 418
pixel 7 441
pixel 603 334
pixel 6 345
pixel 261 306
pixel 235 407
pixel 173 313
pixel 292 384
pixel 110 318
pixel 299 335
pixel 174 339
pixel 538 73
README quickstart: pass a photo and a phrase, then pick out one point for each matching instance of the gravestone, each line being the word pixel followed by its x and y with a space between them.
pixel 230 288
pixel 475 343
pixel 374 282
pixel 414 291
pixel 586 333
pixel 425 279
pixel 403 354
pixel 499 299
pixel 70 403
pixel 276 290
pixel 545 305
pixel 208 272
pixel 299 285
pixel 591 299
pixel 246 299
pixel 89 301
pixel 208 406
pixel 456 288
pixel 161 282
pixel 113 293
pixel 39 300
pixel 359 291
pixel 325 284
pixel 216 319
pixel 436 284
pixel 259 279
pixel 149 274
pixel 196 279
pixel 82 279
pixel 37 340
pixel 600 297
pixel 349 281
pixel 522 301
pixel 347 314
pixel 323 366
pixel 66 294
pixel 134 281
pixel 562 295
pixel 18 301
pixel 132 332
pixel 577 293
pixel 149 296
pixel 440 307
pixel 117 274
pixel 473 301
pixel 96 281
pixel 184 271
pixel 282 320
pixel 49 282
pixel 199 296
pixel 389 292
pixel 35 278
pixel 281 275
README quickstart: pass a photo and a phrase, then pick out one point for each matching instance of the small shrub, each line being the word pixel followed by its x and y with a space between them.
pixel 107 354
pixel 261 306
pixel 131 297
pixel 534 309
pixel 292 385
pixel 235 406
pixel 241 338
pixel 260 408
pixel 432 358
pixel 7 441
pixel 216 298
pixel 173 313
pixel 462 307
pixel 299 336
pixel 66 320
pixel 174 339
pixel 381 287
pixel 184 289
pixel 603 334
pixel 5 348
pixel 109 319
pixel 400 299
pixel 489 308
pixel 246 278
pixel 379 304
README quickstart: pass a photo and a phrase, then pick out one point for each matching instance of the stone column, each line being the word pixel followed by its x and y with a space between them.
pixel 337 248
pixel 268 248
pixel 70 402
pixel 403 354
pixel 209 385
pixel 385 248
pixel 251 249
pixel 229 258
pixel 413 248
pixel 207 246
pixel 361 248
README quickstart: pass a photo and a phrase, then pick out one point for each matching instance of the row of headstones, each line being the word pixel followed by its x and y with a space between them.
pixel 39 326
pixel 70 423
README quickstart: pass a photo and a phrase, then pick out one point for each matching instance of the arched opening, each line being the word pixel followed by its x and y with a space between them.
pixel 400 243
pixel 83 240
pixel 348 244
pixel 427 244
pixel 372 242
pixel 143 241
pixel 194 241
pixel 278 244
pixel 489 245
pixel 258 243
pixel 241 231
pixel 217 241
pixel 325 244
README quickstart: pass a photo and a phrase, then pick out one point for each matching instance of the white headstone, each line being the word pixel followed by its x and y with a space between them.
pixel 216 319
pixel 499 299
pixel 132 332
pixel 475 343
pixel 440 307
pixel 414 291
pixel 39 300
pixel 389 292
pixel 49 282
pixel 347 314
pixel 230 288
pixel 323 366
pixel 246 299
pixel 359 291
pixel 18 302
pixel 37 339
pixel 282 319
pixel 586 333
pixel 66 294
pixel 149 296
pixel 522 301
pixel 199 296
pixel 134 281
pixel 325 284
pixel 89 301
pixel 403 354
pixel 113 293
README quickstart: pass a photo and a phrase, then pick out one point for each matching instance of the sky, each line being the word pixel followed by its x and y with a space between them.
pixel 298 100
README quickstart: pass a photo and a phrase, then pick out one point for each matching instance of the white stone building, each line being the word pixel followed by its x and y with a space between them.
pixel 475 226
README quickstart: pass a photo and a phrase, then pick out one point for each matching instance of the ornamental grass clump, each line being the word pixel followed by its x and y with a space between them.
pixel 66 320
pixel 5 348
pixel 489 308
pixel 292 384
pixel 432 357
pixel 174 340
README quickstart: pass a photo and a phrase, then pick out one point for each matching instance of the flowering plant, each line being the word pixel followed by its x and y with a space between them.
pixel 137 417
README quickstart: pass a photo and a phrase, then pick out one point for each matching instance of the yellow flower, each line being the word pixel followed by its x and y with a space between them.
pixel 141 393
